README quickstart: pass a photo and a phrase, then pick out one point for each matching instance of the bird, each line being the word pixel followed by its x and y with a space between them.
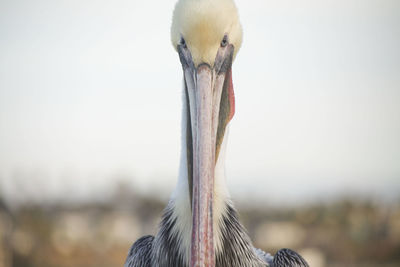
pixel 200 225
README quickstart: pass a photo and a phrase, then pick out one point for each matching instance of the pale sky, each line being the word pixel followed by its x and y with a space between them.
pixel 90 93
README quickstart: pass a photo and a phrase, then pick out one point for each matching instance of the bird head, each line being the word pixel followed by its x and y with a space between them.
pixel 207 36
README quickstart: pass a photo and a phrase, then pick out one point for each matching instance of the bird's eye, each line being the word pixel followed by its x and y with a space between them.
pixel 182 42
pixel 224 41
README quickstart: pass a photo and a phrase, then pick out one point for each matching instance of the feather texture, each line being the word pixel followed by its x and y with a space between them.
pixel 288 258
pixel 165 250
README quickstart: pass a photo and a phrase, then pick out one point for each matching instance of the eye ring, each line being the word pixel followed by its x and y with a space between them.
pixel 224 41
pixel 182 42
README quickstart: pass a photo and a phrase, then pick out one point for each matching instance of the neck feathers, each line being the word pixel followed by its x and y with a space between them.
pixel 180 199
pixel 172 244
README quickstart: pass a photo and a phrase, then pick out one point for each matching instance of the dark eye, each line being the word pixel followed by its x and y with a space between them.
pixel 224 41
pixel 182 42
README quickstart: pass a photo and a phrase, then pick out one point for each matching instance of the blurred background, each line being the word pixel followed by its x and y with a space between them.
pixel 90 106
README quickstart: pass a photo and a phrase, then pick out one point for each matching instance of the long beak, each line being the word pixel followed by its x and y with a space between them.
pixel 202 113
pixel 210 110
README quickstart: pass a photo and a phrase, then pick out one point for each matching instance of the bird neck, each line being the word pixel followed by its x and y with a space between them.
pixel 221 194
pixel 173 241
pixel 181 195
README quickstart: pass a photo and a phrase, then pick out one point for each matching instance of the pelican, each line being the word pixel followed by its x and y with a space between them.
pixel 200 226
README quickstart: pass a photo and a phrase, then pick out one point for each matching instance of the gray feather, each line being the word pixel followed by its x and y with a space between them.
pixel 237 250
pixel 140 253
pixel 288 258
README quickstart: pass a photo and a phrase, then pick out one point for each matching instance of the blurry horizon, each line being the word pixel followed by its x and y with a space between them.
pixel 90 97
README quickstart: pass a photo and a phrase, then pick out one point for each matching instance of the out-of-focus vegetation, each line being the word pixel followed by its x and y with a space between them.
pixel 342 233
